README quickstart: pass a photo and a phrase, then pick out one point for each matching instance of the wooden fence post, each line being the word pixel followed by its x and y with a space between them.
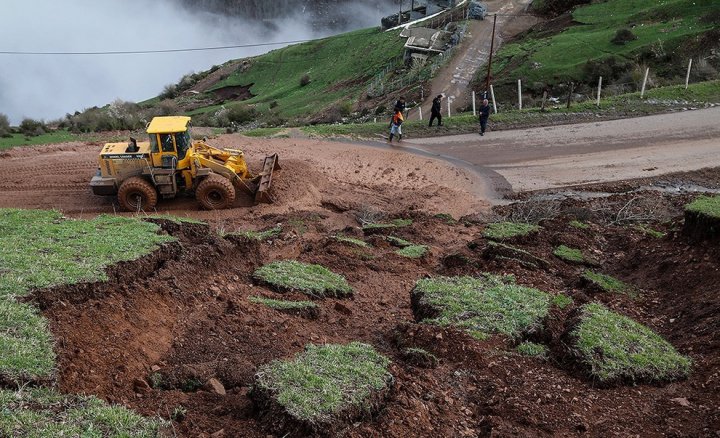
pixel 492 94
pixel 599 88
pixel 448 105
pixel 572 88
pixel 687 77
pixel 519 94
pixel 473 102
pixel 642 91
pixel 542 106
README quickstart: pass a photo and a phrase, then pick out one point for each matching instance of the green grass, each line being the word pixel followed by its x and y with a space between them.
pixel 174 219
pixel 60 136
pixel 568 254
pixel 43 413
pixel 313 280
pixel 705 205
pixel 26 347
pixel 648 230
pixel 397 241
pixel 339 67
pixel 579 224
pixel 614 347
pixel 395 223
pixel 561 57
pixel 532 349
pixel 259 235
pixel 412 251
pixel 561 301
pixel 484 305
pixel 508 230
pixel 324 381
pixel 43 248
pixel 352 241
pixel 609 283
pixel 282 304
pixel 263 132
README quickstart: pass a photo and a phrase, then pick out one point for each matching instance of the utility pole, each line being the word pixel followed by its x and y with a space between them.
pixel 400 14
pixel 492 44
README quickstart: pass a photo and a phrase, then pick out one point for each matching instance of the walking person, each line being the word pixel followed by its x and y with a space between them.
pixel 435 111
pixel 396 125
pixel 484 116
pixel 400 105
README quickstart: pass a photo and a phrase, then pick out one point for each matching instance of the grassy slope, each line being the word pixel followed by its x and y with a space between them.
pixel 561 57
pixel 44 249
pixel 338 67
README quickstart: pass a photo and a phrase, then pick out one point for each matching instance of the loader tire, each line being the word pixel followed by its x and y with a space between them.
pixel 137 194
pixel 215 193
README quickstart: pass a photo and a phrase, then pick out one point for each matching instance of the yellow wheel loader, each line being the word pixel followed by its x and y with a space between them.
pixel 171 163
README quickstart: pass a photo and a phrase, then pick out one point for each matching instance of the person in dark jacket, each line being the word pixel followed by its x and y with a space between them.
pixel 400 105
pixel 435 111
pixel 484 116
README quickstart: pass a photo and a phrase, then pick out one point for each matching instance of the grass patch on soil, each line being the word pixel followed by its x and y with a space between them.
pixel 352 241
pixel 282 304
pixel 579 224
pixel 649 231
pixel 259 235
pixel 614 347
pixel 412 251
pixel 313 280
pixel 532 349
pixel 26 347
pixel 395 223
pixel 43 413
pixel 561 301
pixel 325 381
pixel 397 241
pixel 569 254
pixel 705 205
pixel 508 230
pixel 43 248
pixel 609 283
pixel 174 219
pixel 482 305
pixel 263 132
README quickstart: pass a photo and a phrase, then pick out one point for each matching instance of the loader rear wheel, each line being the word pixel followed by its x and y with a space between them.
pixel 137 194
pixel 215 192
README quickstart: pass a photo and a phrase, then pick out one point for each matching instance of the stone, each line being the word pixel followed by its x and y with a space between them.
pixel 214 385
pixel 682 401
pixel 343 309
pixel 141 386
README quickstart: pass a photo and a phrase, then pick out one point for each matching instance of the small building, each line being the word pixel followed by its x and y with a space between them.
pixel 418 9
pixel 423 42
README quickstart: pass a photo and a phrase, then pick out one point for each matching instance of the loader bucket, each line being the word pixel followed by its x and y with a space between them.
pixel 270 165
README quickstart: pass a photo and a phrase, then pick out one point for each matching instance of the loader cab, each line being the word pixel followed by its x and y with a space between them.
pixel 170 140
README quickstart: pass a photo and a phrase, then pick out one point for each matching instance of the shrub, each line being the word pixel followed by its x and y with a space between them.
pixel 169 92
pixel 623 36
pixel 31 127
pixel 304 80
pixel 240 113
pixel 4 126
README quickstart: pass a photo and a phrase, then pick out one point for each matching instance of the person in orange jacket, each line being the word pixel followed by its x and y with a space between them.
pixel 396 125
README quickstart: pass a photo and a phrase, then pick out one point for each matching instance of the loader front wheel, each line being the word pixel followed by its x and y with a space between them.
pixel 137 194
pixel 215 193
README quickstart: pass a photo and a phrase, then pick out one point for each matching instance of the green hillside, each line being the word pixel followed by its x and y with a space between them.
pixel 662 35
pixel 336 67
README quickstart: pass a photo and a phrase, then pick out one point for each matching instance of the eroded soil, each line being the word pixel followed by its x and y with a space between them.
pixel 162 326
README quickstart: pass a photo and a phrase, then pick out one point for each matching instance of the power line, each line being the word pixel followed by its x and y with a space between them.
pixel 145 52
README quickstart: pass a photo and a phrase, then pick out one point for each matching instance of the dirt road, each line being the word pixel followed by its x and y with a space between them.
pixel 455 78
pixel 541 158
pixel 456 175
